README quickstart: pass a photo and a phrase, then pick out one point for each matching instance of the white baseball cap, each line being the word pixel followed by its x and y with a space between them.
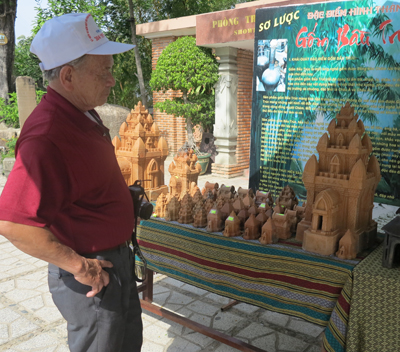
pixel 68 37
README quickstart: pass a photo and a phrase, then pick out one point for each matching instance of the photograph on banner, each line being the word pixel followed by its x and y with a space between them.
pixel 309 61
pixel 271 65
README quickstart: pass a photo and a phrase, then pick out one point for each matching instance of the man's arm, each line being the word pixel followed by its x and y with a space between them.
pixel 41 243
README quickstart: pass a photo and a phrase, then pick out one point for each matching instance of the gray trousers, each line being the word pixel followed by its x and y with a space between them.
pixel 109 322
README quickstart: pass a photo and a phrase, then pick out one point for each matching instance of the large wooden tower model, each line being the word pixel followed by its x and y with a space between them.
pixel 340 190
pixel 141 152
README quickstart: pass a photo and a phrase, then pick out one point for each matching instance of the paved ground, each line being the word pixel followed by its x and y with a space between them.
pixel 30 322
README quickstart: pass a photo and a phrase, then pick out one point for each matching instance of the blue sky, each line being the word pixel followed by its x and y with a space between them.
pixel 25 16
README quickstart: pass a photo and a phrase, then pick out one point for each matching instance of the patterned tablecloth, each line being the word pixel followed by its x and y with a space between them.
pixel 280 277
pixel 367 315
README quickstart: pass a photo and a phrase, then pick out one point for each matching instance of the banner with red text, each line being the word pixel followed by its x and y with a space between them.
pixel 309 61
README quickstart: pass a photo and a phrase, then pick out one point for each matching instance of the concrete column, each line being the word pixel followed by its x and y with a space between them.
pixel 26 95
pixel 225 127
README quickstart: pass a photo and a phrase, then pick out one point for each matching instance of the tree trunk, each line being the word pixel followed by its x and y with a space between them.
pixel 137 56
pixel 8 9
pixel 189 126
pixel 189 130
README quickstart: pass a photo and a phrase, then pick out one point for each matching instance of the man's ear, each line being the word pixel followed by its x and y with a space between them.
pixel 67 74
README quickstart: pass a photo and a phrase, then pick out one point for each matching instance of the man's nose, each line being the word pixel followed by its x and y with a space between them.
pixel 111 81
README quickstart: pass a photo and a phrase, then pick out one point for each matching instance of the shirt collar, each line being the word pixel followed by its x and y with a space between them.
pixel 70 111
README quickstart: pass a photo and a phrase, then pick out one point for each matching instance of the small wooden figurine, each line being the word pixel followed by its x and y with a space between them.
pixel 214 221
pixel 242 193
pixel 282 225
pixel 248 201
pixel 226 192
pixel 268 233
pixel 161 205
pixel 262 217
pixel 200 215
pixel 220 202
pixel 232 225
pixel 194 188
pixel 226 210
pixel 243 215
pixel 238 205
pixel 264 197
pixel 213 187
pixel 251 228
pixel 185 214
pixel 292 218
pixel 172 209
pixel 208 204
pixel 253 210
pixel 197 196
pixel 287 198
pixel 347 246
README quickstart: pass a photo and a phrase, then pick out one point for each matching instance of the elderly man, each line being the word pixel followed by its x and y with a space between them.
pixel 66 201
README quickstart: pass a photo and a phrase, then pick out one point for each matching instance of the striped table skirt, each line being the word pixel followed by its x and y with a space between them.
pixel 280 277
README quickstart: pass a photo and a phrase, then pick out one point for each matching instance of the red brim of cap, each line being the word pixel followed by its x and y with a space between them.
pixel 111 48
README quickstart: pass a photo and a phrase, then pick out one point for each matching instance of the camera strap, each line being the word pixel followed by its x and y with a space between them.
pixel 137 194
pixel 140 266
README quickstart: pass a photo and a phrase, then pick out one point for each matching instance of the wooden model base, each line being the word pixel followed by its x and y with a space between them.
pixel 147 303
pixel 325 245
pixel 302 226
pixel 328 245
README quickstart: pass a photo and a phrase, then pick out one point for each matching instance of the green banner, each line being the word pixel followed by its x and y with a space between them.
pixel 309 61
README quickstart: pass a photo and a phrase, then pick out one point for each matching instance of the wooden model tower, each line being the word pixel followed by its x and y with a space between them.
pixel 340 188
pixel 141 152
pixel 184 171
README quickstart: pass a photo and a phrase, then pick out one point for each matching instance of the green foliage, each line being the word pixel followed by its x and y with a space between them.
pixel 192 70
pixel 39 95
pixel 10 148
pixel 9 111
pixel 126 91
pixel 26 63
pixel 113 18
pixel 60 7
pixel 177 8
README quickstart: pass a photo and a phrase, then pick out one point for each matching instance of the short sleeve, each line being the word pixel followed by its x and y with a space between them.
pixel 38 187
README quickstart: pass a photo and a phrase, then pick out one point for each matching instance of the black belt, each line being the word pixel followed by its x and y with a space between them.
pixel 120 246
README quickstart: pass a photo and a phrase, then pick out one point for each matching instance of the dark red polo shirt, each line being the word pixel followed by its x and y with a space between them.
pixel 66 177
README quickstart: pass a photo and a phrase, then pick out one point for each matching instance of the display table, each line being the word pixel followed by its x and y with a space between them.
pixel 367 315
pixel 280 277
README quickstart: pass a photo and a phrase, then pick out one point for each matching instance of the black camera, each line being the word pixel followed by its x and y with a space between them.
pixel 141 205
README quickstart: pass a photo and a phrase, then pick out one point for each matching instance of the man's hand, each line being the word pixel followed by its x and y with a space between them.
pixel 92 274
pixel 41 243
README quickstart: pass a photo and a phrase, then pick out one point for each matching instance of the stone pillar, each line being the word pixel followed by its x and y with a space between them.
pixel 26 95
pixel 225 127
pixel 8 164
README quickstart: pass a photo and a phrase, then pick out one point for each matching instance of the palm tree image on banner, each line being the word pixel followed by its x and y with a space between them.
pixel 309 61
